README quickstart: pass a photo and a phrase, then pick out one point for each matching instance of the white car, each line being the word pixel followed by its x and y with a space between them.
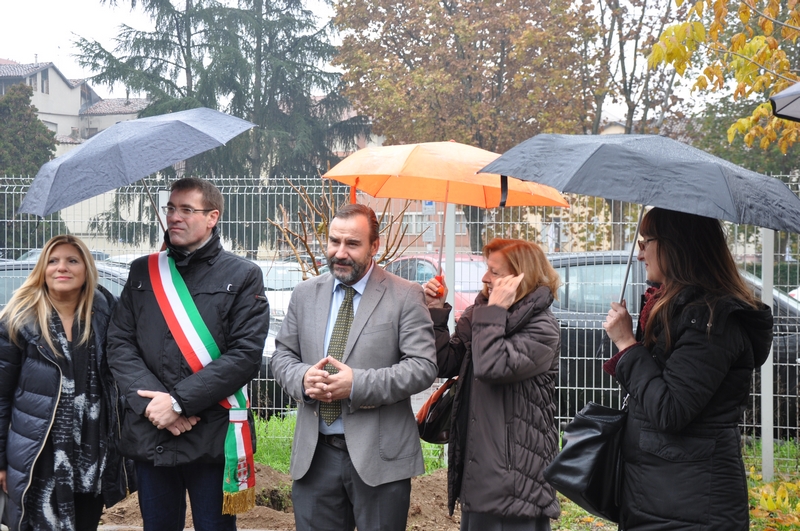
pixel 793 294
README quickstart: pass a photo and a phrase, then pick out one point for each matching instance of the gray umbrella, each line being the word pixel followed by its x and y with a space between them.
pixel 786 103
pixel 126 152
pixel 652 170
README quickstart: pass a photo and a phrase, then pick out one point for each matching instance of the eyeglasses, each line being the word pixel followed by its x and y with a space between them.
pixel 643 243
pixel 183 212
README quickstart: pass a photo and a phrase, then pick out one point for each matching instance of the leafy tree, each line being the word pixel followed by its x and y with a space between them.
pixel 25 145
pixel 747 48
pixel 261 58
pixel 708 131
pixel 484 74
pixel 25 142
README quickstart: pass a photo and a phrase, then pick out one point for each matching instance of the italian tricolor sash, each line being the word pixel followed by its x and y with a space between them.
pixel 199 349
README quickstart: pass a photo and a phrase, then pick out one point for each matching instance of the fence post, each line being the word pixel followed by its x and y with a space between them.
pixel 767 385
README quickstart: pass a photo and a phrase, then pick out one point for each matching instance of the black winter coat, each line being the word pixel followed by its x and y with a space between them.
pixel 503 433
pixel 30 384
pixel 682 461
pixel 229 293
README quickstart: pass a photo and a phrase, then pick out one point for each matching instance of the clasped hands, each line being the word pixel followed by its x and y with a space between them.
pixel 320 385
pixel 159 411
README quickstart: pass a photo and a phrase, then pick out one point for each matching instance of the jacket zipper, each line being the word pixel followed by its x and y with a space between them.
pixel 49 427
pixel 119 438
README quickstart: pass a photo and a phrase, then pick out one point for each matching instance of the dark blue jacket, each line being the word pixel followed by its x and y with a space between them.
pixel 30 386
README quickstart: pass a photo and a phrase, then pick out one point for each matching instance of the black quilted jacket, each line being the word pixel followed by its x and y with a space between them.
pixel 682 461
pixel 504 433
pixel 30 383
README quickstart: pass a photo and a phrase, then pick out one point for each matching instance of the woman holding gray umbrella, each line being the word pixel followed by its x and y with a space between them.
pixel 505 353
pixel 58 401
pixel 687 370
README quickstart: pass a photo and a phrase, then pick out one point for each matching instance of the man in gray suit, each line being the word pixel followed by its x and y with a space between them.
pixel 356 444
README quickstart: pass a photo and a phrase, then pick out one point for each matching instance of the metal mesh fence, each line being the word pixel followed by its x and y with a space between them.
pixel 280 225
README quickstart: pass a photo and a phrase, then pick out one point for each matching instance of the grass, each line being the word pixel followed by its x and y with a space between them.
pixel 274 442
pixel 774 506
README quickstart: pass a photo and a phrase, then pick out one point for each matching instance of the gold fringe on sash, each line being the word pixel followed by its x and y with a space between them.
pixel 238 502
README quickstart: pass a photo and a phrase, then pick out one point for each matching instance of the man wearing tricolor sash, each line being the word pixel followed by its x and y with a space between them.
pixel 186 338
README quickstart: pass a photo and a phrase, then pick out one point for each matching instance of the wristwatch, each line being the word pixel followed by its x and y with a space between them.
pixel 176 407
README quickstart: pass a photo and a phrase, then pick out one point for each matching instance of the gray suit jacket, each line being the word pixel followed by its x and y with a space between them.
pixel 392 354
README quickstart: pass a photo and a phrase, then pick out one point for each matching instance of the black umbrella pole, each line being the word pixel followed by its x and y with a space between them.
pixel 630 256
pixel 155 206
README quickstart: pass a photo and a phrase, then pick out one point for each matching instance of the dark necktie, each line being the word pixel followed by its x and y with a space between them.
pixel 330 411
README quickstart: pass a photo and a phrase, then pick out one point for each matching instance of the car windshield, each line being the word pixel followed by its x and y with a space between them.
pixel 279 276
pixel 782 304
pixel 591 287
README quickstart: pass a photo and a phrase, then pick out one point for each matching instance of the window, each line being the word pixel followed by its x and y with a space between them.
pixel 33 81
pixel 45 82
pixel 416 222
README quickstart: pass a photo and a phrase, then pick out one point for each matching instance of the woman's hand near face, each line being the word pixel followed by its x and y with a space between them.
pixel 504 291
pixel 432 290
pixel 619 325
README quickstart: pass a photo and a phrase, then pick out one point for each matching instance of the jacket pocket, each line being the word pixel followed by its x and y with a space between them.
pixel 673 476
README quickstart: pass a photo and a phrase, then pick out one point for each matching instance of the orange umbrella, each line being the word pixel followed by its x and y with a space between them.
pixel 437 171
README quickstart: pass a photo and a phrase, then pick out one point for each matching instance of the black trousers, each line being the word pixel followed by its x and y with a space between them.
pixel 332 497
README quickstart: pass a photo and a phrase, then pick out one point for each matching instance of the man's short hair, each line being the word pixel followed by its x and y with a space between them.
pixel 212 197
pixel 348 211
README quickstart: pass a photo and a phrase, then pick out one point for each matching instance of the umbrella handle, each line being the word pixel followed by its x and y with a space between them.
pixel 440 291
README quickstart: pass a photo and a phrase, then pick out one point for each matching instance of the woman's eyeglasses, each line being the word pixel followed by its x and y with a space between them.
pixel 643 243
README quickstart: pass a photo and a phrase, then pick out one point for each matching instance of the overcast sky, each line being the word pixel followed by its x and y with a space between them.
pixel 47 28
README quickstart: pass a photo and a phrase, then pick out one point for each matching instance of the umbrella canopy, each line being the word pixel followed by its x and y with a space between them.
pixel 653 170
pixel 437 171
pixel 126 152
pixel 786 103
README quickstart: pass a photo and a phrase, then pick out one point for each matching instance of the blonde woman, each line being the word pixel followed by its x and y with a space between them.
pixel 505 353
pixel 58 425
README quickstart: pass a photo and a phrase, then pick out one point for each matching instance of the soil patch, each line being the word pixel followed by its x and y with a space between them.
pixel 427 511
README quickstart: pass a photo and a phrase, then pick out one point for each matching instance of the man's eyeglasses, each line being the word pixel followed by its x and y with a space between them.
pixel 183 212
pixel 643 243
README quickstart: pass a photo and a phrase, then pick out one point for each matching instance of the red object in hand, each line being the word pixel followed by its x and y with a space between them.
pixel 440 291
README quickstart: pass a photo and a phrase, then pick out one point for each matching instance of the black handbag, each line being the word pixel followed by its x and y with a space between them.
pixel 588 468
pixel 435 415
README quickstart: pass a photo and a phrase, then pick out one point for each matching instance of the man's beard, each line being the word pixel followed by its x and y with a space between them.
pixel 356 271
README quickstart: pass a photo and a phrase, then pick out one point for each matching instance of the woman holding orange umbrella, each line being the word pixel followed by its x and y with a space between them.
pixel 505 353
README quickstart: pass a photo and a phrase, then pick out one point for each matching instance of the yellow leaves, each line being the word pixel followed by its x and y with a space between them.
pixel 766 26
pixel 676 44
pixel 738 41
pixel 744 12
pixel 700 84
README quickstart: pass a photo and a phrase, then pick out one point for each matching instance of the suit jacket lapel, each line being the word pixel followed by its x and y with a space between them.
pixel 369 301
pixel 322 305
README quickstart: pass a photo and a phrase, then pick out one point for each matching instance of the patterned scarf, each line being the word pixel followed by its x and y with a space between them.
pixel 72 460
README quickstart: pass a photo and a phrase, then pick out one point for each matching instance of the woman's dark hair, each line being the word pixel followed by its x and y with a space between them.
pixel 692 252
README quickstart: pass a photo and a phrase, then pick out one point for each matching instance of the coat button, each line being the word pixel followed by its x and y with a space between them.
pixel 694 321
pixel 160 449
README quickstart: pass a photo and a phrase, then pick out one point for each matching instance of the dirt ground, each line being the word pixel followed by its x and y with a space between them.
pixel 428 510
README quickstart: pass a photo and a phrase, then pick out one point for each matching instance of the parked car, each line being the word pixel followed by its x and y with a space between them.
pixel 591 280
pixel 469 270
pixel 280 278
pixel 13 274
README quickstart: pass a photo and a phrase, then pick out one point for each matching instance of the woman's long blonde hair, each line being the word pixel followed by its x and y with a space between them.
pixel 525 257
pixel 31 303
